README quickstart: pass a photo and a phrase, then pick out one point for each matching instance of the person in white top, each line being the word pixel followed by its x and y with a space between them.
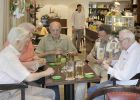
pixel 78 25
pixel 128 64
pixel 13 71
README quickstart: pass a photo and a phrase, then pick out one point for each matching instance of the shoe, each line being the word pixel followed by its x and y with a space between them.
pixel 79 51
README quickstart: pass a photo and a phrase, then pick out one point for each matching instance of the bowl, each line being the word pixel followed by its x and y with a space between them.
pixel 56 77
pixel 89 75
pixel 53 64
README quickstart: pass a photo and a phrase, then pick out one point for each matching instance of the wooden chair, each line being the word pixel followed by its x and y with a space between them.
pixel 21 86
pixel 117 93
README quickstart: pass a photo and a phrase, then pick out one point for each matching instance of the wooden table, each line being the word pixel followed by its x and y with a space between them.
pixel 69 84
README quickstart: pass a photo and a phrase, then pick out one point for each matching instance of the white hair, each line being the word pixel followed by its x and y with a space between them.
pixel 127 34
pixel 16 34
pixel 27 26
pixel 39 24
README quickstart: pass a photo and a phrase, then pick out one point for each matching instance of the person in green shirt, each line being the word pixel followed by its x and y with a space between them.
pixel 54 44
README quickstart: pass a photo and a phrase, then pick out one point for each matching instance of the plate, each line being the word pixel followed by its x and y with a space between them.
pixel 56 77
pixel 54 64
pixel 87 75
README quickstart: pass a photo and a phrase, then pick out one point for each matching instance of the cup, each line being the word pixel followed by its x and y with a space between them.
pixel 79 69
pixel 70 70
pixel 58 58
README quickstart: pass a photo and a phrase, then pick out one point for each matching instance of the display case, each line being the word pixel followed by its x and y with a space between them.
pixel 119 22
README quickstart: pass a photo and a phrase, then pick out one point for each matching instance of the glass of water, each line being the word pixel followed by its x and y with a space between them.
pixel 70 70
pixel 79 69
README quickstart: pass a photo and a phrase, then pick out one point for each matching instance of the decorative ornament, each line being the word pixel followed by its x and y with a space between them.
pixel 17 8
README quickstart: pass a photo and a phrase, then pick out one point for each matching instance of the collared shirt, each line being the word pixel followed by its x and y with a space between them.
pixel 128 64
pixel 47 43
pixel 106 49
pixel 78 20
pixel 11 70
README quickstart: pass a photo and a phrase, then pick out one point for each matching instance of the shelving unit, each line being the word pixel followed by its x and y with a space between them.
pixel 97 11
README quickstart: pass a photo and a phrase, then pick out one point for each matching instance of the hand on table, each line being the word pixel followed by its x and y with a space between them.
pixel 49 71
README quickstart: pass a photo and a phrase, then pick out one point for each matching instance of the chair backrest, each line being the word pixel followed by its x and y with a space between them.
pixel 126 90
pixel 20 86
pixel 122 96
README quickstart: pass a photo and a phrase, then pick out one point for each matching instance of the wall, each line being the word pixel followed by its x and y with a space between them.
pixel 64 8
pixel 4 21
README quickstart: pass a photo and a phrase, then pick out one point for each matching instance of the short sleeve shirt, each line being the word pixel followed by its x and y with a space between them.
pixel 11 69
pixel 109 48
pixel 47 43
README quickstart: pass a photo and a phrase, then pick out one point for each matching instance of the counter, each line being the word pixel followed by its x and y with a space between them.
pixel 90 38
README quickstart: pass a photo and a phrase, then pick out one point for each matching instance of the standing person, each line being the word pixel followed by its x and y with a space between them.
pixel 106 46
pixel 13 71
pixel 78 25
pixel 55 44
pixel 127 66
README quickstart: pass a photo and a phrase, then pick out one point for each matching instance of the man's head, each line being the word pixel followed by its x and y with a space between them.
pixel 19 38
pixel 29 27
pixel 126 38
pixel 79 7
pixel 103 31
pixel 55 29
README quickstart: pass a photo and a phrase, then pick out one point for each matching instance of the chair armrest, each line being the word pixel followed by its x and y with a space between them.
pixel 109 89
pixel 13 86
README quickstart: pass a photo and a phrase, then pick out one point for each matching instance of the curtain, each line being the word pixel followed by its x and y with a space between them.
pixel 4 21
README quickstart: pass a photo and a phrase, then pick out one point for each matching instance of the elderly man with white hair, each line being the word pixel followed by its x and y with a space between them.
pixel 128 64
pixel 28 57
pixel 13 71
